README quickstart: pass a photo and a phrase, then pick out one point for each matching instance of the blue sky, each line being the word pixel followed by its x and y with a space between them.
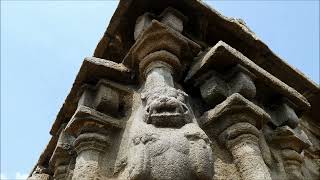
pixel 43 45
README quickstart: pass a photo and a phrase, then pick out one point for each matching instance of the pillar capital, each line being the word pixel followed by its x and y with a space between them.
pixel 234 109
pixel 171 47
pixel 92 130
pixel 287 138
pixel 91 141
pixel 87 119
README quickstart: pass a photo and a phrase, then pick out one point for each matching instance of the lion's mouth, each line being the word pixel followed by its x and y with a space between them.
pixel 168 112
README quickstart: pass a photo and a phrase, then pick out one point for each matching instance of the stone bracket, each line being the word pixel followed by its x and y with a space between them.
pixel 92 70
pixel 232 106
pixel 222 56
pixel 288 138
pixel 86 116
pixel 106 97
pixel 283 114
pixel 218 87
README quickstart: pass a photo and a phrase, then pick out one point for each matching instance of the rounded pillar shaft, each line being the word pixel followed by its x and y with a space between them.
pixel 242 140
pixel 87 165
pixel 159 76
pixel 89 147
pixel 248 159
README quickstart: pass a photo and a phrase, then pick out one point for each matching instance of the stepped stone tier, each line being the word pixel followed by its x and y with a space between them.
pixel 176 90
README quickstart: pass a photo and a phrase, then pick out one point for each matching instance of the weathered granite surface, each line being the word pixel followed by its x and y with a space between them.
pixel 186 93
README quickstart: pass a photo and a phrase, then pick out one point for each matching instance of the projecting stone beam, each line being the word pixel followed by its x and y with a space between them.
pixel 222 56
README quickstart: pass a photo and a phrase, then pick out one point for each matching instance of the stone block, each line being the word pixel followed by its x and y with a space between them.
pixel 142 23
pixel 221 85
pixel 173 19
pixel 283 114
pixel 242 82
pixel 106 100
pixel 214 90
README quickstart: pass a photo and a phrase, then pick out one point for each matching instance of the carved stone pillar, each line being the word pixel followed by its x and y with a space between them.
pixel 165 140
pixel 292 144
pixel 92 130
pixel 236 122
pixel 242 140
pixel 88 147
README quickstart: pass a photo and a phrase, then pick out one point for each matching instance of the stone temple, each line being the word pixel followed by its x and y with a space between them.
pixel 177 91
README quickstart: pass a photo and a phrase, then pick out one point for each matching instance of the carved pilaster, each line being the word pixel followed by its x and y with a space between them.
pixel 89 147
pixel 165 140
pixel 159 65
pixel 291 143
pixel 236 122
pixel 242 140
pixel 92 130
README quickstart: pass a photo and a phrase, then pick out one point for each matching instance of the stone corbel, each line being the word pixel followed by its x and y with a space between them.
pixel 291 142
pixel 219 86
pixel 61 157
pixel 169 16
pixel 222 57
pixel 106 97
pixel 236 123
pixel 283 114
pixel 173 18
pixel 92 130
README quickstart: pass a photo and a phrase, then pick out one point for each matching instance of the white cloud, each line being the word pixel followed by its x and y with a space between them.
pixel 2 176
pixel 21 176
